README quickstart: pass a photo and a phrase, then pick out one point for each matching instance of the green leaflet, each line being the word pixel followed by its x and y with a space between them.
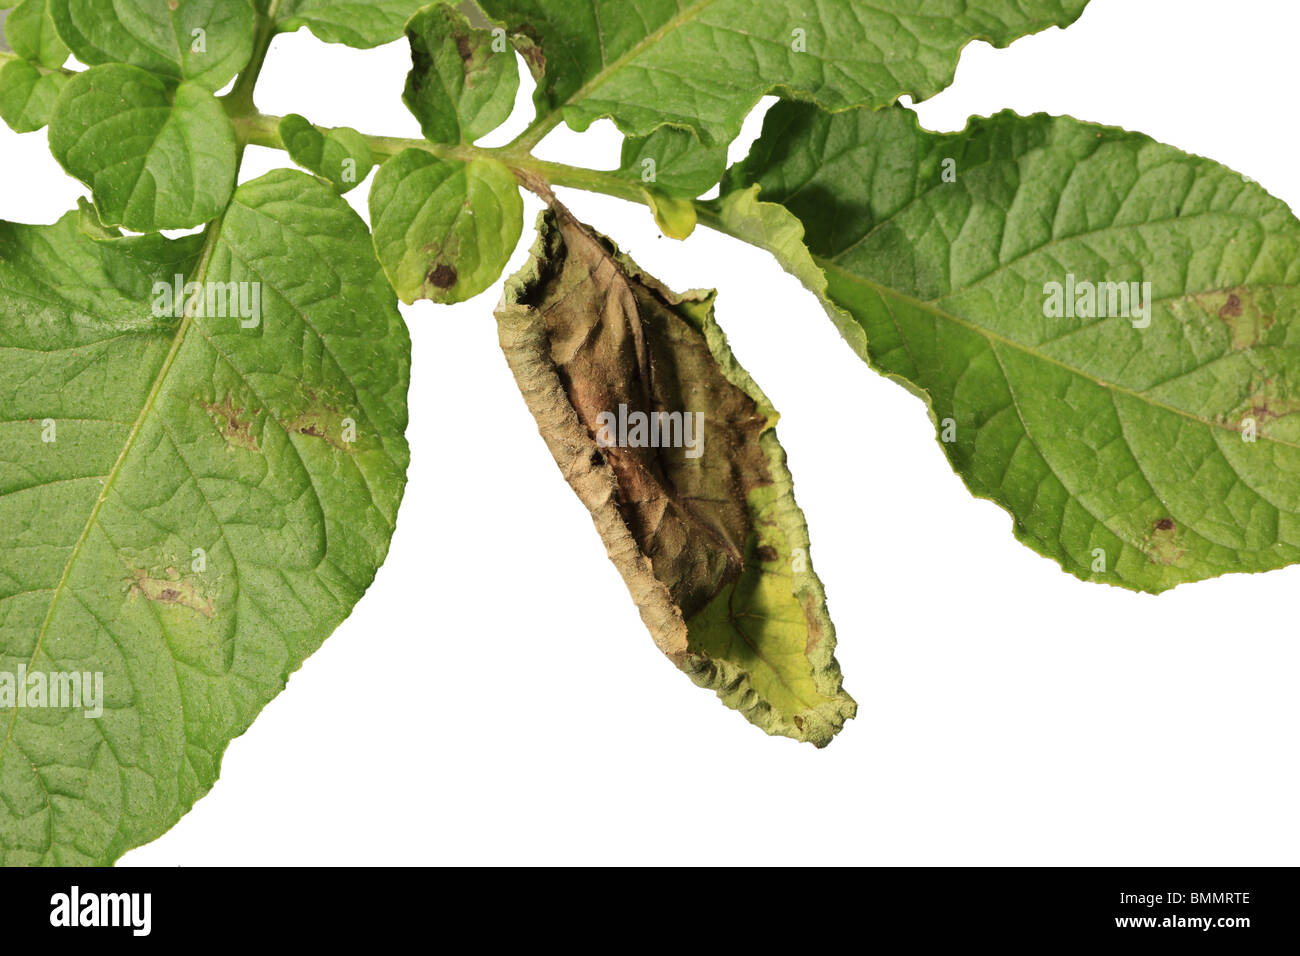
pixel 704 64
pixel 30 33
pixel 460 88
pixel 1143 450
pixel 704 527
pixel 357 23
pixel 27 95
pixel 154 158
pixel 673 167
pixel 341 156
pixel 444 229
pixel 676 218
pixel 672 162
pixel 30 86
pixel 205 42
pixel 196 530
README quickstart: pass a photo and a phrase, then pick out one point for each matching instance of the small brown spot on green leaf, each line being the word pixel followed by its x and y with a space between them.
pixel 1247 314
pixel 234 427
pixel 1162 545
pixel 171 591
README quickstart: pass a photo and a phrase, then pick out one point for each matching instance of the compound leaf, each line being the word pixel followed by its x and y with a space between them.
pixel 698 513
pixel 460 86
pixel 1140 435
pixel 206 42
pixel 444 229
pixel 155 158
pixel 195 489
pixel 704 64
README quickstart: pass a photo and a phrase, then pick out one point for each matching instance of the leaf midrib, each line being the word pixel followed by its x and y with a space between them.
pixel 200 275
pixel 994 337
pixel 609 69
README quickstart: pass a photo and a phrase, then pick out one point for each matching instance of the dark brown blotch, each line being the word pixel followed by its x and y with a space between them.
pixel 443 276
pixel 464 48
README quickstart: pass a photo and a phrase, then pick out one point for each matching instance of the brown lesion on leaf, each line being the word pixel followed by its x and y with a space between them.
pixel 1162 545
pixel 527 41
pixel 703 541
pixel 441 273
pixel 816 630
pixel 618 340
pixel 466 50
pixel 1246 315
pixel 442 276
pixel 1266 404
pixel 171 591
pixel 235 427
pixel 322 420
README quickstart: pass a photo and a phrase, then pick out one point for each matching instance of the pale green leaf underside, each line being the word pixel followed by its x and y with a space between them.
pixel 356 23
pixel 202 41
pixel 1120 451
pixel 704 64
pixel 766 644
pixel 175 434
pixel 444 229
pixel 154 158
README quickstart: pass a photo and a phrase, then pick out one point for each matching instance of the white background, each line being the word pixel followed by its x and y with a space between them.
pixel 496 699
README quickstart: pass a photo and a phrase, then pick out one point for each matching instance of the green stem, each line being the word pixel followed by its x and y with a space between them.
pixel 6 56
pixel 259 129
pixel 240 99
pixel 527 141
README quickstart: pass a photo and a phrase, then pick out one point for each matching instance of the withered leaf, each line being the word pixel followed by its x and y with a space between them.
pixel 673 449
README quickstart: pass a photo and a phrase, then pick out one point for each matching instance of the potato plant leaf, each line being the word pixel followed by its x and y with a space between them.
pixel 673 162
pixel 342 156
pixel 444 229
pixel 460 87
pixel 27 96
pixel 673 167
pixel 154 158
pixel 193 532
pixel 672 447
pixel 30 33
pixel 1141 435
pixel 356 23
pixel 704 64
pixel 205 42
